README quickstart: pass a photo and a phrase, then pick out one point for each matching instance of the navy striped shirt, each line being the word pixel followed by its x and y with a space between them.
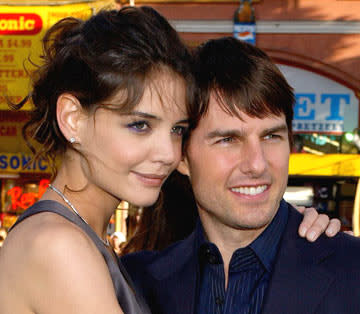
pixel 249 271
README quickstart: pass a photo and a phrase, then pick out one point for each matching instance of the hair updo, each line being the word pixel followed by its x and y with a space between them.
pixel 93 60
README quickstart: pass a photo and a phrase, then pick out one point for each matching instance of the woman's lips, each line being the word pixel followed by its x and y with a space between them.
pixel 154 180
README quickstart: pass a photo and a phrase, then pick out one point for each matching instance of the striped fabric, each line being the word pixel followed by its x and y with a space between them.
pixel 249 272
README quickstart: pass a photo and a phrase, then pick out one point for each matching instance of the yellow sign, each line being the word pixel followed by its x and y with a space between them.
pixel 347 165
pixel 19 162
pixel 22 27
pixel 11 140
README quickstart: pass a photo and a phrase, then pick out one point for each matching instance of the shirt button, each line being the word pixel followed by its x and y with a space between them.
pixel 219 301
pixel 212 259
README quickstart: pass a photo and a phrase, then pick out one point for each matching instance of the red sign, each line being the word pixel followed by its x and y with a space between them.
pixel 24 200
pixel 20 24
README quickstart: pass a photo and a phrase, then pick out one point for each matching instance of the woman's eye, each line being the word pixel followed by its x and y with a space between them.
pixel 139 126
pixel 179 130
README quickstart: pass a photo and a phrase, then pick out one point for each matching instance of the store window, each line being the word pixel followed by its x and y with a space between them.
pixel 320 144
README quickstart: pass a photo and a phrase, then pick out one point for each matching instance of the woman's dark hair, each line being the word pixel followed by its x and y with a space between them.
pixel 95 59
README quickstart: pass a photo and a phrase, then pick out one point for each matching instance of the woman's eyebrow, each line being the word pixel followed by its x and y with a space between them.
pixel 151 116
pixel 184 121
pixel 140 114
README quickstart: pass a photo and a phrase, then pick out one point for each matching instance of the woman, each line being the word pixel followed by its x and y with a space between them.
pixel 111 100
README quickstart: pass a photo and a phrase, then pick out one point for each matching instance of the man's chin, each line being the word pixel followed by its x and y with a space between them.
pixel 253 226
pixel 255 219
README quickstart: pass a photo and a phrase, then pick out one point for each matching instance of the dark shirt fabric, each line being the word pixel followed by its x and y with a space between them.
pixel 249 271
pixel 306 277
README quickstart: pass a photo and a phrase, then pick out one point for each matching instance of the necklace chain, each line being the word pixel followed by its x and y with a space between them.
pixel 106 242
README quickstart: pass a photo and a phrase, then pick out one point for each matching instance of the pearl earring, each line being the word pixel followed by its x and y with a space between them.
pixel 72 140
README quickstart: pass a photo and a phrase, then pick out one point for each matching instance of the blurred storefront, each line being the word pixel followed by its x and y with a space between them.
pixel 21 183
pixel 23 23
pixel 325 152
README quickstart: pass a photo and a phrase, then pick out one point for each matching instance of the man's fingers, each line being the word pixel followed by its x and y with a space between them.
pixel 318 227
pixel 310 216
pixel 333 227
pixel 314 224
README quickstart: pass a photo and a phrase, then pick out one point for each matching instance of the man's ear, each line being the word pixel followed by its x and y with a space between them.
pixel 183 167
pixel 68 114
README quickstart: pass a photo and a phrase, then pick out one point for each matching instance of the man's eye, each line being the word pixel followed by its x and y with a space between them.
pixel 272 136
pixel 179 130
pixel 225 140
pixel 139 126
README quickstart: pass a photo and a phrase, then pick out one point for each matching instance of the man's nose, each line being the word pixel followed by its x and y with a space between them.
pixel 253 159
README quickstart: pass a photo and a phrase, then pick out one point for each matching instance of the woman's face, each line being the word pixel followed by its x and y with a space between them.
pixel 131 154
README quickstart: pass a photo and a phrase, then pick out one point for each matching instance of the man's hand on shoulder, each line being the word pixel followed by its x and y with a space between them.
pixel 314 224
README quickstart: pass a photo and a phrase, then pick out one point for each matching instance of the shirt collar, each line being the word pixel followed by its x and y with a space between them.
pixel 200 240
pixel 265 245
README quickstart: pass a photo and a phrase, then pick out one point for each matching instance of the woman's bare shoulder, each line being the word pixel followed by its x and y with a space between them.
pixel 44 232
pixel 41 240
pixel 64 263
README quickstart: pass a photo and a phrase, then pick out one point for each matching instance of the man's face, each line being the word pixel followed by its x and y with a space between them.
pixel 238 169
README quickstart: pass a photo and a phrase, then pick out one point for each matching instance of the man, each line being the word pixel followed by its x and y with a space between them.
pixel 245 255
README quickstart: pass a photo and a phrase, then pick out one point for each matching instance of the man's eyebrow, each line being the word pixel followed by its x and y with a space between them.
pixel 282 128
pixel 238 133
pixel 224 133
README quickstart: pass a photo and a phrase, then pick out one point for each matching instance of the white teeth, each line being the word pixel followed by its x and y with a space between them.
pixel 252 190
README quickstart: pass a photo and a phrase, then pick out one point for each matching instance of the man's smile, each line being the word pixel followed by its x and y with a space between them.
pixel 250 190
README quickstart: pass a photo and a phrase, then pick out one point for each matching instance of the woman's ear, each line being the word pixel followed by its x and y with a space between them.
pixel 68 114
pixel 183 167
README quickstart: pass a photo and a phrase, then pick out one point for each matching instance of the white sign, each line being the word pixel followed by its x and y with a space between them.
pixel 322 104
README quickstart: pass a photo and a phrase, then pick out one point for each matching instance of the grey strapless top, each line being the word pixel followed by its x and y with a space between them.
pixel 130 301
